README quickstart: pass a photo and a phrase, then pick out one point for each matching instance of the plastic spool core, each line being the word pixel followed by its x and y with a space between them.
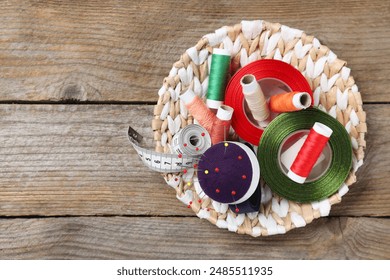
pixel 194 140
pixel 270 87
pixel 318 170
pixel 247 79
pixel 305 101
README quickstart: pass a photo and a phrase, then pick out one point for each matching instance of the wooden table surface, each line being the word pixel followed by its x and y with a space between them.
pixel 75 74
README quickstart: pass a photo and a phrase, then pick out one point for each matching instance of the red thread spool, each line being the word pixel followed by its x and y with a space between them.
pixel 310 152
pixel 221 124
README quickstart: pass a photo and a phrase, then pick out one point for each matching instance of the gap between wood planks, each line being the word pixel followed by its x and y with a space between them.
pixel 125 238
pixel 88 102
pixel 154 216
pixel 78 102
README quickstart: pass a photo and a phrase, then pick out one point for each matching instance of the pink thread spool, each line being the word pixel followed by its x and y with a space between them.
pixel 221 124
pixel 216 125
pixel 310 152
pixel 199 110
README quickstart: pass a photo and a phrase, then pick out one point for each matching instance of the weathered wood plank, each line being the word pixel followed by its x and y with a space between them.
pixel 121 51
pixel 187 238
pixel 76 160
pixel 373 175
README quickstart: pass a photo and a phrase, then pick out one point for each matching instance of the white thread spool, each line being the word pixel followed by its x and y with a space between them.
pixel 255 98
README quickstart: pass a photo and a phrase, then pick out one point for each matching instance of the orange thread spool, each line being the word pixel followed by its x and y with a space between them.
pixel 289 102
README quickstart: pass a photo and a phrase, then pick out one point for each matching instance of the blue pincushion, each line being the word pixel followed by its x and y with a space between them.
pixel 229 172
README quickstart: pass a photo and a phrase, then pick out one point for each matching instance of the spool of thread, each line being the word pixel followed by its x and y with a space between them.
pixel 216 125
pixel 192 140
pixel 199 110
pixel 288 156
pixel 289 101
pixel 261 69
pixel 330 179
pixel 221 125
pixel 254 97
pixel 219 69
pixel 310 152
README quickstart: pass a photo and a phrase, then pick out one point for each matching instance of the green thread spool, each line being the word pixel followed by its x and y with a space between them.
pixel 220 64
pixel 320 188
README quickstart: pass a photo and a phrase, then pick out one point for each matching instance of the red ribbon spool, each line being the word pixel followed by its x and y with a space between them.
pixel 261 69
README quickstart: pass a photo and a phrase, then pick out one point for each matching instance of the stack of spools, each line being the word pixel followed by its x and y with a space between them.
pixel 285 120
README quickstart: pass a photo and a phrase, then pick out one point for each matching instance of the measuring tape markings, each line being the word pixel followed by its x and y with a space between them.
pixel 167 163
pixel 261 69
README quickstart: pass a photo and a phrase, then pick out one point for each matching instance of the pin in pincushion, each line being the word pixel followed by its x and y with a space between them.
pixel 229 172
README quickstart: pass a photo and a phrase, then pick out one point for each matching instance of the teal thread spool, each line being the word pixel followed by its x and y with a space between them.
pixel 220 64
pixel 269 148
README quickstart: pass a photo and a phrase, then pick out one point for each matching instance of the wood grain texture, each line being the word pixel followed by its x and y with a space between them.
pixel 156 238
pixel 72 187
pixel 76 160
pixel 121 50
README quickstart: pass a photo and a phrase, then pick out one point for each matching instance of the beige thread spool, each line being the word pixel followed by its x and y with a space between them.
pixel 255 99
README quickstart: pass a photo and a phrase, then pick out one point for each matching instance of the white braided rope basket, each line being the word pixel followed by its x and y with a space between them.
pixel 334 91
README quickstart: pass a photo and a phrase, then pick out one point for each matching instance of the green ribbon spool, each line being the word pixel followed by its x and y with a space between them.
pixel 273 137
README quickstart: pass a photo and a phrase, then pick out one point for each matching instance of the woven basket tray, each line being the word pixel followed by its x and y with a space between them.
pixel 334 91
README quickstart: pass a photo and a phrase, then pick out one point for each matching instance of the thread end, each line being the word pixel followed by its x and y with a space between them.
pixel 213 104
pixel 301 100
pixel 219 51
pixel 225 113
pixel 249 84
pixel 295 177
pixel 322 129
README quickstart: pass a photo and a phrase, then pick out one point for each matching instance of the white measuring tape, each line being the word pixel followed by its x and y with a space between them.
pixel 189 144
pixel 193 140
